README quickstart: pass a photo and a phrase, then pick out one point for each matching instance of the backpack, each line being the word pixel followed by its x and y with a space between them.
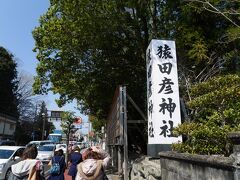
pixel 55 168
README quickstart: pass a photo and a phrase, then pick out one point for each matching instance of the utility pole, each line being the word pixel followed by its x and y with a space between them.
pixel 34 121
pixel 43 128
pixel 4 124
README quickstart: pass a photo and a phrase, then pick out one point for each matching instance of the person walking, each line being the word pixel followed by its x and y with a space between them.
pixel 75 159
pixel 58 165
pixel 29 168
pixel 95 161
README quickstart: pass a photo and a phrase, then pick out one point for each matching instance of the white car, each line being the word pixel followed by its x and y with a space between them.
pixel 40 143
pixel 46 152
pixel 83 145
pixel 9 155
pixel 62 146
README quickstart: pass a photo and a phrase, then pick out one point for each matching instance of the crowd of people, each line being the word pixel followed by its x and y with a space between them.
pixel 89 165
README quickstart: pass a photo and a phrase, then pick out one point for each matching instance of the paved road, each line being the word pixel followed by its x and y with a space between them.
pixel 67 177
pixel 110 176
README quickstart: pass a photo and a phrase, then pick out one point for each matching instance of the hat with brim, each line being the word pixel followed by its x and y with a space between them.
pixel 57 149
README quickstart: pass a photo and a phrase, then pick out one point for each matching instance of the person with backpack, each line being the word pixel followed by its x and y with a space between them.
pixel 28 168
pixel 75 159
pixel 58 165
pixel 95 161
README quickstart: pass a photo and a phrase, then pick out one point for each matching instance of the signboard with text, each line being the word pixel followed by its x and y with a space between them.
pixel 55 116
pixel 78 123
pixel 162 92
pixel 78 126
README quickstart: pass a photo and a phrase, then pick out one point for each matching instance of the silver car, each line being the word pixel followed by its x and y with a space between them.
pixel 40 143
pixel 9 155
pixel 46 152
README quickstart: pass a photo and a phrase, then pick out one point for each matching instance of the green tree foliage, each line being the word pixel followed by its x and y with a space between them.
pixel 215 112
pixel 68 119
pixel 8 84
pixel 86 48
pixel 96 123
pixel 206 40
pixel 208 46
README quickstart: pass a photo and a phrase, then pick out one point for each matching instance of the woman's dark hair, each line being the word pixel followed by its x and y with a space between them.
pixel 30 152
pixel 76 148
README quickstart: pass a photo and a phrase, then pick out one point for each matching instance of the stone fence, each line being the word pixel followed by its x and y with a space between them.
pixel 145 168
pixel 181 166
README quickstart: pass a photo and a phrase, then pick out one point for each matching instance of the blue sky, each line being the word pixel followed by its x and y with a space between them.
pixel 17 20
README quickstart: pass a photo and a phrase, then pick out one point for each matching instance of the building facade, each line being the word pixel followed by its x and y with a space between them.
pixel 7 126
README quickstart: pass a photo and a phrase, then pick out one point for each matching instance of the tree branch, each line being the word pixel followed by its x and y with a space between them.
pixel 215 10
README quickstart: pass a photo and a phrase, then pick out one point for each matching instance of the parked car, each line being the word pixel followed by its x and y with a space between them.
pixel 7 143
pixel 9 155
pixel 37 143
pixel 62 146
pixel 40 143
pixel 82 145
pixel 46 152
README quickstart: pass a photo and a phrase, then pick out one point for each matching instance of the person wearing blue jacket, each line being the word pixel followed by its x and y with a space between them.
pixel 60 159
pixel 75 159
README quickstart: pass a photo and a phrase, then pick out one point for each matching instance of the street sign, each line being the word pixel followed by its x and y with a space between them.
pixel 77 126
pixel 56 114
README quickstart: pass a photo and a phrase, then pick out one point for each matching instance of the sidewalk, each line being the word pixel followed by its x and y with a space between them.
pixel 67 177
pixel 110 176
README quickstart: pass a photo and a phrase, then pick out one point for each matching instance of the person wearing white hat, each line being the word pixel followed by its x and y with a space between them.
pixel 58 165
